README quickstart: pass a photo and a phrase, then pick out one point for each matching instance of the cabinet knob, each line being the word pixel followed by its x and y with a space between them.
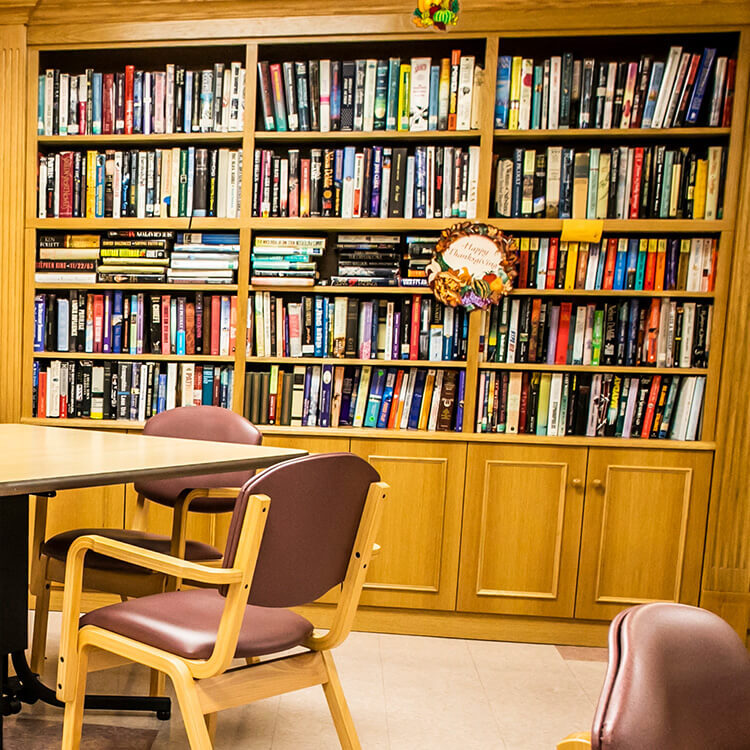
pixel 577 483
pixel 598 484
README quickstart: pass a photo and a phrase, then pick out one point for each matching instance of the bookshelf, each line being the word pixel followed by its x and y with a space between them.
pixel 564 469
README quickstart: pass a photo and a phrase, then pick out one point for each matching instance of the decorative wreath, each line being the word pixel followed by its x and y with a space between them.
pixel 437 13
pixel 473 265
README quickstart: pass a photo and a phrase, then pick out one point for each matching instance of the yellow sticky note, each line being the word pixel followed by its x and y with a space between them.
pixel 582 230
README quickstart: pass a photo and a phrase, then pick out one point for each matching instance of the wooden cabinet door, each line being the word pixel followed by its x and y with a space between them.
pixel 421 525
pixel 644 526
pixel 522 524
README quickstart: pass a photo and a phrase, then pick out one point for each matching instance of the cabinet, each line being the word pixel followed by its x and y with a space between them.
pixel 522 525
pixel 421 526
pixel 644 526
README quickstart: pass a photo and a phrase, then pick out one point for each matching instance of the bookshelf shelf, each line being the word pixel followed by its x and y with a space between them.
pixel 352 226
pixel 330 289
pixel 593 134
pixel 184 224
pixel 145 357
pixel 593 368
pixel 139 138
pixel 165 288
pixel 369 135
pixel 625 226
pixel 394 363
pixel 607 293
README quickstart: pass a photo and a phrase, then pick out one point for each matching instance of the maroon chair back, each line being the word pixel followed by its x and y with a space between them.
pixel 316 506
pixel 678 679
pixel 199 423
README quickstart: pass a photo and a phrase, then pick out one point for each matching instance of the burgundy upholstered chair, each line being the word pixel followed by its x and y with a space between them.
pixel 320 523
pixel 678 678
pixel 217 494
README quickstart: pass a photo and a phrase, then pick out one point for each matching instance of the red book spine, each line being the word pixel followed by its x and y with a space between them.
pixel 653 330
pixel 551 264
pixel 649 281
pixel 198 385
pixel 165 307
pixel 98 321
pixel 82 118
pixel 726 116
pixel 648 418
pixel 129 74
pixel 216 393
pixel 609 268
pixel 455 62
pixel 108 103
pixel 416 314
pixel 215 324
pixel 396 398
pixel 563 332
pixel 524 405
pixel 63 405
pixel 714 261
pixel 523 266
pixel 41 398
pixel 635 191
pixel 66 185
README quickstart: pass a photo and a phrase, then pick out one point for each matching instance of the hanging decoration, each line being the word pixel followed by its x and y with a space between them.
pixel 436 13
pixel 473 265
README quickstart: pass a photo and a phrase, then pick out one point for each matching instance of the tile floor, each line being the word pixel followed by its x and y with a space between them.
pixel 405 693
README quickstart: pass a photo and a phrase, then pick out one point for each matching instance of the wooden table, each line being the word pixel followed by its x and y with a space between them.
pixel 44 459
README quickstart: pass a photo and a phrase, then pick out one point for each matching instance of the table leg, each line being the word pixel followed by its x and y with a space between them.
pixel 26 687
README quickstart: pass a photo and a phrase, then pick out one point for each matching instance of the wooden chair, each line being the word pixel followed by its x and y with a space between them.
pixel 319 533
pixel 213 493
pixel 678 678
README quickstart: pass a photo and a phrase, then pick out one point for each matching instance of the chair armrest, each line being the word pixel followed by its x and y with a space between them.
pixel 155 561
pixel 217 492
pixel 575 741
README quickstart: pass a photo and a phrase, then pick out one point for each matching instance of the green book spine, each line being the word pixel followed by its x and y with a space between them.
pixel 596 337
pixel 182 201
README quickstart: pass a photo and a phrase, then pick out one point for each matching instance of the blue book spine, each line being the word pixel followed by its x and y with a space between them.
pixel 396 343
pixel 673 254
pixel 214 238
pixel 515 199
pixel 306 395
pixel 391 110
pixel 502 91
pixel 179 344
pixel 632 263
pixel 376 396
pixel 657 73
pixel 208 385
pixel 377 180
pixel 632 333
pixel 338 180
pixel 117 323
pixel 349 153
pixel 416 402
pixel 640 270
pixel 96 107
pixel 381 95
pixel 40 107
pixel 327 320
pixel 374 330
pixel 432 111
pixel 566 183
pixel 536 98
pixel 387 400
pixel 138 102
pixel 335 97
pixel 99 204
pixel 318 329
pixel 135 377
pixel 35 388
pixel 40 321
pixel 460 393
pixel 224 390
pixel 602 265
pixel 303 100
pixel 326 380
pixel 701 81
pixel 63 324
pixel 187 120
pixel 621 262
pixel 420 182
pixel 161 399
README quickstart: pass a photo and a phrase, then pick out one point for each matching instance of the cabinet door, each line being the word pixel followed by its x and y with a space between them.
pixel 644 526
pixel 522 524
pixel 419 533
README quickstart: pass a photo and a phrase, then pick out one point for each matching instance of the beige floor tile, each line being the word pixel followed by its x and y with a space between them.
pixel 590 676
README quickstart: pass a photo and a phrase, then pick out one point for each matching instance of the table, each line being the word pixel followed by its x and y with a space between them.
pixel 35 459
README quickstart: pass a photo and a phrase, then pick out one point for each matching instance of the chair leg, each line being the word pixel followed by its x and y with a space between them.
pixel 39 638
pixel 211 726
pixel 192 715
pixel 342 718
pixel 73 718
pixel 158 683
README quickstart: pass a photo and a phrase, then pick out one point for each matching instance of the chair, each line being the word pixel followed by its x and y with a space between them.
pixel 217 494
pixel 319 533
pixel 678 678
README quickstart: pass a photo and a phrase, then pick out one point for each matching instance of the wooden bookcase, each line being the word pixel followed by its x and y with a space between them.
pixel 494 535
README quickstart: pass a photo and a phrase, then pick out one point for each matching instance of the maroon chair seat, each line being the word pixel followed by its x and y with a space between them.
pixel 57 548
pixel 185 623
pixel 678 679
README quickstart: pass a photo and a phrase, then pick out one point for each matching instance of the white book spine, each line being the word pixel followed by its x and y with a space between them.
pixel 720 74
pixel 169 99
pixel 62 122
pixel 667 84
pixel 471 202
pixel 609 95
pixel 554 161
pixel 42 192
pixel 430 203
pixel 141 189
pixel 409 194
pixel 171 385
pixel 554 92
pixel 407 388
pixel 371 68
pixel 513 330
pixel 435 403
pixel 514 403
pixel 527 86
pixel 696 403
pixel 593 415
pixel 588 336
pixel 682 410
pixel 688 328
pixel 579 334
pixel 325 95
pixel 465 89
pixel 630 407
pixel 543 259
pixel 555 397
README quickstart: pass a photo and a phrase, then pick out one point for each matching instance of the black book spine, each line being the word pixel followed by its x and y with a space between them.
pixel 601 90
pixel 700 332
pixel 622 74
pixel 200 182
pixel 155 330
pixel 290 92
pixel 438 208
pixel 276 185
pixel 314 72
pixel 86 371
pixel 614 168
pixel 366 181
pixel 641 91
pixel 515 200
pixel 316 181
pixel 179 99
pixel 213 168
pixel 657 181
pixel 566 87
pixel 609 345
pixel 524 328
pixel 398 184
pixel 335 95
pixel 56 104
pixel 133 191
pixel 622 331
pixel 347 95
pixel 257 160
pixel 646 182
pixel 566 183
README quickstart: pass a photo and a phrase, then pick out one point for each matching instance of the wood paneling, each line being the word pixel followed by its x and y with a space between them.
pixel 644 525
pixel 421 525
pixel 522 523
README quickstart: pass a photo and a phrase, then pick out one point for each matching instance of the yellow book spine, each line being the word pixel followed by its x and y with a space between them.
pixel 403 96
pixel 90 184
pixel 571 265
pixel 515 92
pixel 699 194
pixel 424 409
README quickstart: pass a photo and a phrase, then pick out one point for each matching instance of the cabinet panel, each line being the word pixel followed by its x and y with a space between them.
pixel 644 526
pixel 522 522
pixel 420 530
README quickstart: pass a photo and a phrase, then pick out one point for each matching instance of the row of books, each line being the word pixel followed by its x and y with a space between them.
pixel 607 405
pixel 138 323
pixel 378 181
pixel 126 390
pixel 650 332
pixel 626 182
pixel 372 94
pixel 366 396
pixel 162 182
pixel 637 263
pixel 563 92
pixel 174 100
pixel 413 328
pixel 286 260
pixel 138 256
